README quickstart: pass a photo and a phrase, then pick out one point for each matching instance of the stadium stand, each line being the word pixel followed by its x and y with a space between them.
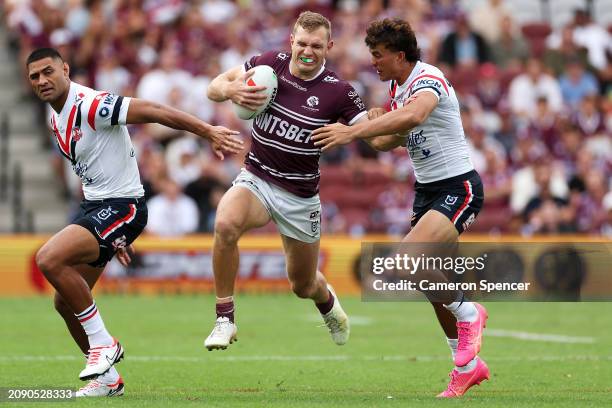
pixel 546 168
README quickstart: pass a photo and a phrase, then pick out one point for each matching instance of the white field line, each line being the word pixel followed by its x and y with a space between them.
pixel 387 358
pixel 552 338
pixel 514 334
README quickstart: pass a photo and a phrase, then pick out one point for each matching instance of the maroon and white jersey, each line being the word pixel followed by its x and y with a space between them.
pixel 90 131
pixel 282 151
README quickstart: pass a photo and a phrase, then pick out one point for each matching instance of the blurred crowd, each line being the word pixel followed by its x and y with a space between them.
pixel 536 102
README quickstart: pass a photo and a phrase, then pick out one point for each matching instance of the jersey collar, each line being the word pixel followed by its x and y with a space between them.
pixel 69 100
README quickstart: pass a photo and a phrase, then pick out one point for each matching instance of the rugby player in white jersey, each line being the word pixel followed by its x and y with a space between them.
pixel 425 118
pixel 90 130
pixel 280 181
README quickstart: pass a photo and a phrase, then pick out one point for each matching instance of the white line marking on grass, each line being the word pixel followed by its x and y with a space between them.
pixel 388 358
pixel 355 320
pixel 552 338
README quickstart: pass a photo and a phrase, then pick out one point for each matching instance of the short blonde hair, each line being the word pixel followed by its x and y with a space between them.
pixel 310 21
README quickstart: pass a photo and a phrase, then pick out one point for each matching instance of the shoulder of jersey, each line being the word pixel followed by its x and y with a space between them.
pixel 330 77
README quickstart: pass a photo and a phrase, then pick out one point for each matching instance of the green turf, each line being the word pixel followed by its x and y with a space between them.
pixel 397 355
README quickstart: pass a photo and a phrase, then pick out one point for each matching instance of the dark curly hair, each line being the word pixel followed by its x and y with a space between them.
pixel 396 35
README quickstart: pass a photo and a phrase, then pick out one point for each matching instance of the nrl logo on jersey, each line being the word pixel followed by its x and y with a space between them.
pixel 282 56
pixel 330 79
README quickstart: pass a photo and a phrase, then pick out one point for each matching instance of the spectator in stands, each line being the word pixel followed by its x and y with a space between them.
pixel 463 47
pixel 534 83
pixel 510 48
pixel 589 119
pixel 562 50
pixel 527 182
pixel 172 213
pixel 590 213
pixel 488 17
pixel 593 37
pixel 111 76
pixel 489 88
pixel 184 160
pixel 547 211
pixel 130 44
pixel 496 179
pixel 576 83
pixel 544 124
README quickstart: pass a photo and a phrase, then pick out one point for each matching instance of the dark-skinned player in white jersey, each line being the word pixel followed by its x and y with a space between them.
pixel 281 175
pixel 90 130
pixel 425 118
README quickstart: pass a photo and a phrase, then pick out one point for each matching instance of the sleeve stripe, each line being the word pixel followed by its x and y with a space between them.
pixel 91 116
pixel 116 110
pixel 430 76
pixel 427 87
pixel 357 117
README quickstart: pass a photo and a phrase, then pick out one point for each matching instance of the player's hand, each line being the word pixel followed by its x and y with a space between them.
pixel 224 140
pixel 244 95
pixel 332 135
pixel 123 255
pixel 376 113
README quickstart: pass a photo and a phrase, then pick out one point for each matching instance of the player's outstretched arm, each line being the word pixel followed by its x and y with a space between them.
pixel 223 140
pixel 401 120
pixel 386 142
pixel 232 85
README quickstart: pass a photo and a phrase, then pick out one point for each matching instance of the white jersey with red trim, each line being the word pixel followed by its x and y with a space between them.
pixel 437 147
pixel 90 131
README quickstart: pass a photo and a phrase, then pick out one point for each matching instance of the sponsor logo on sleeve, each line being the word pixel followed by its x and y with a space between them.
pixel 330 79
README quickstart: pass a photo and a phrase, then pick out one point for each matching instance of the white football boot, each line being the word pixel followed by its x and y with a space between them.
pixel 222 335
pixel 96 388
pixel 337 321
pixel 101 359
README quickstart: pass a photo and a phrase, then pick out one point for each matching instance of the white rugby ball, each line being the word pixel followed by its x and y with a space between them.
pixel 264 75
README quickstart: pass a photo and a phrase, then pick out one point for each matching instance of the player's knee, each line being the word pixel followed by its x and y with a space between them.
pixel 227 231
pixel 61 306
pixel 46 262
pixel 304 290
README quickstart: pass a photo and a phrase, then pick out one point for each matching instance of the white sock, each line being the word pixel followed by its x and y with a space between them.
pixel 452 343
pixel 110 377
pixel 468 367
pixel 463 311
pixel 93 325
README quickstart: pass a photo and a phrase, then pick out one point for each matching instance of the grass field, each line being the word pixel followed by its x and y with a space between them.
pixel 397 355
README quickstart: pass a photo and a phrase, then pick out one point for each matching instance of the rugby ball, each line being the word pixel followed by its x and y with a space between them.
pixel 264 75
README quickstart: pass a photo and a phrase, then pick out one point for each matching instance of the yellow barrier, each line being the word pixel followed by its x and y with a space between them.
pixel 261 268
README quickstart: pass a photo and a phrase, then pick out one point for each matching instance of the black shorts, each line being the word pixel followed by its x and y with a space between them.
pixel 459 198
pixel 115 222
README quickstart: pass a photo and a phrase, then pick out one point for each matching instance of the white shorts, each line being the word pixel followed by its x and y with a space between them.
pixel 295 217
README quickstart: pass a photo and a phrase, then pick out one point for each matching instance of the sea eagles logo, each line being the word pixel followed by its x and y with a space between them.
pixel 330 79
pixel 282 56
pixel 312 101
